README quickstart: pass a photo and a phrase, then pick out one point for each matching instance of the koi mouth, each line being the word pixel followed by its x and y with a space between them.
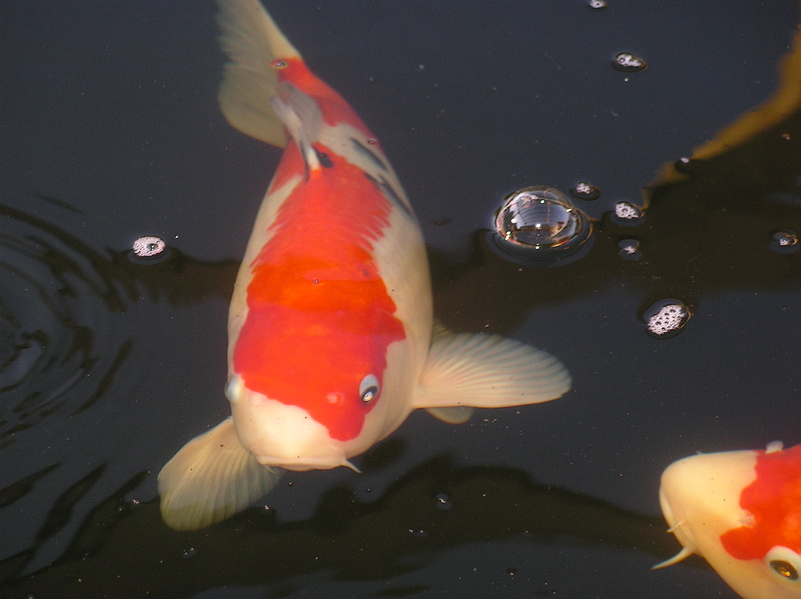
pixel 302 463
pixel 667 511
pixel 683 536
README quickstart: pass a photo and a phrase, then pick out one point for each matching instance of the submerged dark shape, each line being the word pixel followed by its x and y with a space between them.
pixel 341 537
pixel 82 335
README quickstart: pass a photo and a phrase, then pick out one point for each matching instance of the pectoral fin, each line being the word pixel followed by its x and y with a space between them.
pixel 486 371
pixel 457 415
pixel 211 478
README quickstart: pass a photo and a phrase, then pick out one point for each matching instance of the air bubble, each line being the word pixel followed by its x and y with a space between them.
pixel 627 213
pixel 629 63
pixel 189 553
pixel 598 4
pixel 149 249
pixel 148 246
pixel 540 224
pixel 629 249
pixel 585 191
pixel 686 166
pixel 785 242
pixel 443 501
pixel 666 318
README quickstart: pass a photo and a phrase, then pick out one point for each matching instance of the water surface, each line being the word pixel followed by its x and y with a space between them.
pixel 111 131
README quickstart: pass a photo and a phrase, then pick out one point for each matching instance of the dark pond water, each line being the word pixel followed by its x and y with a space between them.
pixel 110 131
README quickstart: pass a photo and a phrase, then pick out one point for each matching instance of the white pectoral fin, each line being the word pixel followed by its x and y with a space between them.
pixel 457 415
pixel 486 371
pixel 211 478
pixel 251 40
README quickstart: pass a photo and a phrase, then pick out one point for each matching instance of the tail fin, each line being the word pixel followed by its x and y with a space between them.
pixel 251 40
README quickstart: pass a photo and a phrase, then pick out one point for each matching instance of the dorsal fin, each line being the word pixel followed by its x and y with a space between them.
pixel 302 117
pixel 252 41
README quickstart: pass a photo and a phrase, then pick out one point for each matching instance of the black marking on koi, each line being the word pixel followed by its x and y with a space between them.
pixel 365 151
pixel 301 147
pixel 390 193
pixel 325 161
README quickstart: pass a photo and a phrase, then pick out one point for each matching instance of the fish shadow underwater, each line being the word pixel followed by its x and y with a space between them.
pixel 422 515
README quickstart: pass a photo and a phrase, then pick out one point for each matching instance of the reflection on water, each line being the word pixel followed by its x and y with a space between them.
pixel 84 330
pixel 58 308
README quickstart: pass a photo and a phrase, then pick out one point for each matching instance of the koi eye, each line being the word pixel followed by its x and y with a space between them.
pixel 784 562
pixel 233 388
pixel 279 64
pixel 368 388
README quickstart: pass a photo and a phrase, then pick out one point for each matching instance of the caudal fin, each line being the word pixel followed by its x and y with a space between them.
pixel 251 40
pixel 211 478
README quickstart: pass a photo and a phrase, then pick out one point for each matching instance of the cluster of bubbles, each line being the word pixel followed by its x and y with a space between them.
pixel 540 224
pixel 628 63
pixel 585 191
pixel 666 318
pixel 627 213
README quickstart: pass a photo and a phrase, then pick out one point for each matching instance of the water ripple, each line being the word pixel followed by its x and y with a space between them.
pixel 57 309
pixel 91 370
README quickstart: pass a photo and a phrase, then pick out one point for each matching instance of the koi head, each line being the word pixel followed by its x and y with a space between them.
pixel 312 392
pixel 277 434
pixel 297 438
pixel 741 511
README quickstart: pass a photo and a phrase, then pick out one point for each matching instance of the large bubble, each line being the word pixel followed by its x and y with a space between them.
pixel 540 223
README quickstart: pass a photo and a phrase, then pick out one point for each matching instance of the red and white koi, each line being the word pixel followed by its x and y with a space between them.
pixel 741 511
pixel 331 335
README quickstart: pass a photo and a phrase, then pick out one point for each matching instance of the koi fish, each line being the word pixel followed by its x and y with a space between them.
pixel 741 511
pixel 332 341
